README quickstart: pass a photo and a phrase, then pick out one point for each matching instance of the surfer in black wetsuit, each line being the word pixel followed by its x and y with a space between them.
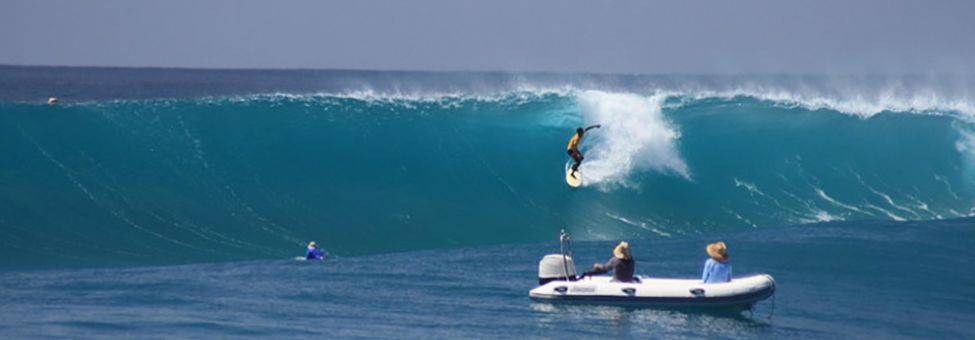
pixel 574 147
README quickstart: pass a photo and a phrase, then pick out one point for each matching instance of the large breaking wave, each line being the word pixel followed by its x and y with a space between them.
pixel 238 177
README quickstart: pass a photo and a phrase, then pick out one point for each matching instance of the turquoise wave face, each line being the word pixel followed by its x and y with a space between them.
pixel 181 181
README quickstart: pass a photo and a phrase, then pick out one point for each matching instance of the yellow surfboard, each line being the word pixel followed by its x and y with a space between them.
pixel 574 182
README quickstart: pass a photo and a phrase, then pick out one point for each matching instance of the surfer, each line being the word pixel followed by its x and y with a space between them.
pixel 315 253
pixel 574 147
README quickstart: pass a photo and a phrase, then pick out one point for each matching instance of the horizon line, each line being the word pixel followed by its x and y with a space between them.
pixel 487 71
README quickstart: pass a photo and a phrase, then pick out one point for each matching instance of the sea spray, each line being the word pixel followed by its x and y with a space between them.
pixel 635 136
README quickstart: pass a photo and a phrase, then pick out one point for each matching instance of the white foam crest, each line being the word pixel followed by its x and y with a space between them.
pixel 840 98
pixel 862 105
pixel 517 95
pixel 634 136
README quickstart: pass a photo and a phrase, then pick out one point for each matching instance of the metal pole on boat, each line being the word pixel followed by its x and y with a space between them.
pixel 563 237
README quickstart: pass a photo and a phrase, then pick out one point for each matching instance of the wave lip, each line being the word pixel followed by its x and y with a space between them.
pixel 858 104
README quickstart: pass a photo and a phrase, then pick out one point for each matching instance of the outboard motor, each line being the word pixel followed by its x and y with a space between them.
pixel 559 267
pixel 555 267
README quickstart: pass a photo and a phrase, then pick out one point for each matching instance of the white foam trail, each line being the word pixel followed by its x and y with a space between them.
pixel 886 197
pixel 641 225
pixel 924 206
pixel 885 212
pixel 890 201
pixel 740 218
pixel 751 187
pixel 753 190
pixel 201 157
pixel 826 197
pixel 120 215
pixel 634 136
pixel 951 191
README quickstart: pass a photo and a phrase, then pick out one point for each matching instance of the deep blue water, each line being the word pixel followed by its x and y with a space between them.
pixel 171 202
pixel 841 279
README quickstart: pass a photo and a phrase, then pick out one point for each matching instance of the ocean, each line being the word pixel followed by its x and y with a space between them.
pixel 173 202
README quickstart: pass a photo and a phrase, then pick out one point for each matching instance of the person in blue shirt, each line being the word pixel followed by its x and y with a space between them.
pixel 315 253
pixel 717 269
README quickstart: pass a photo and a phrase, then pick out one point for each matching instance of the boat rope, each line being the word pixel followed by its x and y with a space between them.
pixel 751 310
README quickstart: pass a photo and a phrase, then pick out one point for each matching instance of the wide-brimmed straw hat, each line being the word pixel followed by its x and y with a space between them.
pixel 718 251
pixel 622 251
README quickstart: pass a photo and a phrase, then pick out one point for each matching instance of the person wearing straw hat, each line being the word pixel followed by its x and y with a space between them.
pixel 717 269
pixel 622 264
pixel 315 253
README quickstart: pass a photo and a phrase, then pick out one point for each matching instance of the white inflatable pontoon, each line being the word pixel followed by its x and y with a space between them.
pixel 559 283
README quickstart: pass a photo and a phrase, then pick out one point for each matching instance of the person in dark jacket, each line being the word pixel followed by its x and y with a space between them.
pixel 315 253
pixel 622 264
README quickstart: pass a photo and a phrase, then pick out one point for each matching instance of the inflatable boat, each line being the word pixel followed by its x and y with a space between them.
pixel 558 282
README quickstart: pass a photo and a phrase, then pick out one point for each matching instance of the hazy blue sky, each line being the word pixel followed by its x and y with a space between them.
pixel 681 36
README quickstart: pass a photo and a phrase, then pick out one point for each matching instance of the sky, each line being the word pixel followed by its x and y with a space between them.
pixel 629 37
